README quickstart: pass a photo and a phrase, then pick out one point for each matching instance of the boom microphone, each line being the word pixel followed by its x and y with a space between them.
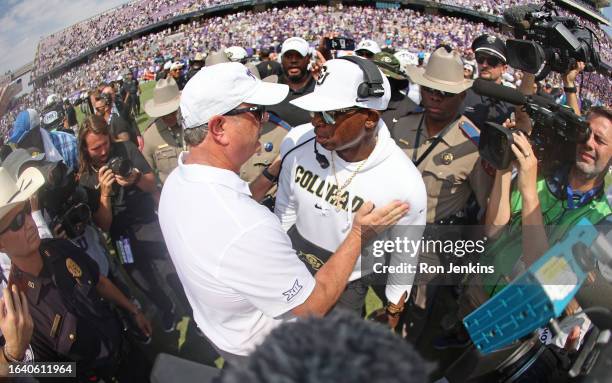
pixel 498 92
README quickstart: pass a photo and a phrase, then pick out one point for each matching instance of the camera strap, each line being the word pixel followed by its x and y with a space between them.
pixel 582 198
pixel 431 147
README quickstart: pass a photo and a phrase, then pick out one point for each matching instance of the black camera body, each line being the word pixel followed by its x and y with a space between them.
pixel 555 133
pixel 120 166
pixel 340 43
pixel 545 42
pixel 63 198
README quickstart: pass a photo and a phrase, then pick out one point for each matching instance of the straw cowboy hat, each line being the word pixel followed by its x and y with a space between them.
pixel 166 98
pixel 13 193
pixel 444 72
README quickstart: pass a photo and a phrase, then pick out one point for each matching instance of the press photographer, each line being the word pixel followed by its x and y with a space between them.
pixel 68 297
pixel 122 195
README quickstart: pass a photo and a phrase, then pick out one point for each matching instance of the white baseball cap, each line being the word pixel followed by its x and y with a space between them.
pixel 217 89
pixel 167 65
pixel 236 53
pixel 176 65
pixel 368 45
pixel 297 44
pixel 337 89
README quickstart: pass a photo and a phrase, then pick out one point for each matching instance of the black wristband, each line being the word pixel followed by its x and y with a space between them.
pixel 570 89
pixel 269 176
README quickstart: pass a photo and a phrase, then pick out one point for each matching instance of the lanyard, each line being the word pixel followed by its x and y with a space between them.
pixel 584 198
pixel 431 147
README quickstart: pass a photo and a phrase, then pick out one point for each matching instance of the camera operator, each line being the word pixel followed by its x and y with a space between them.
pixel 120 129
pixel 119 108
pixel 122 191
pixel 518 213
pixel 64 292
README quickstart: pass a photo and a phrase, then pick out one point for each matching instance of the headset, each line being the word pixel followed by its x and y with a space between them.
pixel 373 84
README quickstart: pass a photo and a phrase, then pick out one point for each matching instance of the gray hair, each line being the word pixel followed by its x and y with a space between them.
pixel 195 136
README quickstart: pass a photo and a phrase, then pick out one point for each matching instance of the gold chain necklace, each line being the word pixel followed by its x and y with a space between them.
pixel 336 198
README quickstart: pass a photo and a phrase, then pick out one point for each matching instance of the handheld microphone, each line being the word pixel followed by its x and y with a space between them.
pixel 321 159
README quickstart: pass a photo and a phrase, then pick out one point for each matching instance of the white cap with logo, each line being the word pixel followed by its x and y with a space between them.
pixel 217 89
pixel 368 45
pixel 337 89
pixel 297 44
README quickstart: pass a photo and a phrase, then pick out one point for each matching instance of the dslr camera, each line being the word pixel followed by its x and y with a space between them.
pixel 64 199
pixel 120 166
pixel 546 42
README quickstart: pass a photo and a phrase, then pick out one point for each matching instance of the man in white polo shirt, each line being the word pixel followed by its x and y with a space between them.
pixel 236 264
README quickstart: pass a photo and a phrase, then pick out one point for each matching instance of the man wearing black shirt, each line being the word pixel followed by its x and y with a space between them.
pixel 295 56
pixel 490 54
pixel 125 207
pixel 131 89
pixel 268 67
pixel 70 114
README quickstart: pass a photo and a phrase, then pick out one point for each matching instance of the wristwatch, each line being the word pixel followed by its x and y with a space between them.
pixel 569 89
pixel 269 175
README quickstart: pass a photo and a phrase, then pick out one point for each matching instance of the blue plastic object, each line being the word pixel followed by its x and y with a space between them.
pixel 538 295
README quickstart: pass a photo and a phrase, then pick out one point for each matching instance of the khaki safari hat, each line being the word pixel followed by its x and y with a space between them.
pixel 444 72
pixel 14 192
pixel 166 98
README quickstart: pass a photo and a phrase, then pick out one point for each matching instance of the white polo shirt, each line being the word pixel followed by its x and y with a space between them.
pixel 234 260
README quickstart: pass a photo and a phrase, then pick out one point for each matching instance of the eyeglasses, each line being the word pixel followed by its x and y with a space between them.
pixel 438 92
pixel 258 111
pixel 491 61
pixel 17 222
pixel 330 117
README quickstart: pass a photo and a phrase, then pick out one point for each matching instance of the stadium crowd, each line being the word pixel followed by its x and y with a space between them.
pixel 398 29
pixel 268 161
pixel 69 43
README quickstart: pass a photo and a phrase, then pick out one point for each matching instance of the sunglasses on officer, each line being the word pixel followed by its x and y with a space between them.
pixel 258 111
pixel 17 223
pixel 438 92
pixel 491 60
pixel 330 117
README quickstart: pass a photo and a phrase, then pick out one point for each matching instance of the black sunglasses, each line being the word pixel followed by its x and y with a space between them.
pixel 17 222
pixel 491 61
pixel 258 111
pixel 438 92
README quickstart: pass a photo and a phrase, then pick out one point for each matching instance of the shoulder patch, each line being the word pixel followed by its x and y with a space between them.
pixel 470 131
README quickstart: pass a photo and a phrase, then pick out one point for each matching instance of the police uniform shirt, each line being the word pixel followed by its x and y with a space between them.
pixel 162 145
pixel 480 109
pixel 290 113
pixel 451 171
pixel 399 106
pixel 69 321
pixel 271 137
